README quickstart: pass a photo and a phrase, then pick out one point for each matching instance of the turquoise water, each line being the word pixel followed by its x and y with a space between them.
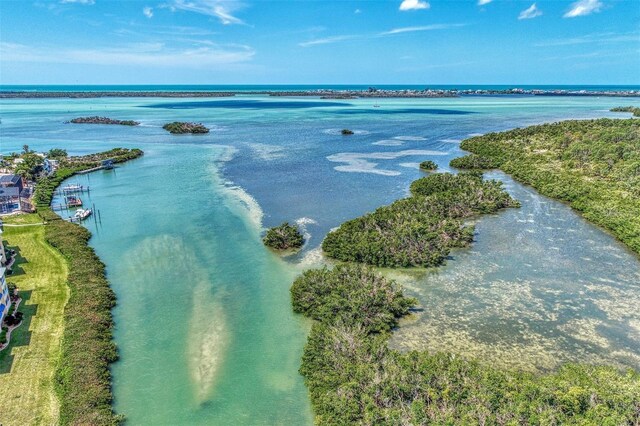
pixel 203 322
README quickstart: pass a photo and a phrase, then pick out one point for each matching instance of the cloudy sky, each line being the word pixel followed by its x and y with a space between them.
pixel 319 42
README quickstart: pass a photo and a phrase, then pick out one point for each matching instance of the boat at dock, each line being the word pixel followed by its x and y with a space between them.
pixel 80 215
pixel 74 188
pixel 73 201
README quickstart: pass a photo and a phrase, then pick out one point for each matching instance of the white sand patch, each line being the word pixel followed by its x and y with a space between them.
pixel 267 152
pixel 357 162
pixel 388 142
pixel 311 259
pixel 302 224
pixel 449 140
pixel 410 165
pixel 238 199
pixel 208 340
pixel 409 138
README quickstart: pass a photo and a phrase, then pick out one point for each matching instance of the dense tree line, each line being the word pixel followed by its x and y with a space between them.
pixel 473 162
pixel 594 165
pixel 422 229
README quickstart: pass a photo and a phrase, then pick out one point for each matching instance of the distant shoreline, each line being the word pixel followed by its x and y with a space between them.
pixel 321 93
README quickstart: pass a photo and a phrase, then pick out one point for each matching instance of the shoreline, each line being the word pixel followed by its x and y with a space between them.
pixel 371 93
pixel 83 378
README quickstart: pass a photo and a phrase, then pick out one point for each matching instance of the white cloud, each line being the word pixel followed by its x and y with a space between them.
pixel 137 54
pixel 598 38
pixel 78 1
pixel 328 40
pixel 530 13
pixel 414 5
pixel 483 2
pixel 217 8
pixel 583 8
pixel 421 28
pixel 147 11
pixel 335 39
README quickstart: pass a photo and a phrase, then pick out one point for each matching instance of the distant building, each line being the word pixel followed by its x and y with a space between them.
pixel 50 166
pixel 5 299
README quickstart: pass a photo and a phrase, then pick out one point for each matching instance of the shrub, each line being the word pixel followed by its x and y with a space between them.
pixel 283 237
pixel 346 132
pixel 428 166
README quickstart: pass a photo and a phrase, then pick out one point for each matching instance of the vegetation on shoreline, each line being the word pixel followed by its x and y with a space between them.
pixel 594 165
pixel 634 110
pixel 83 379
pixel 354 378
pixel 473 162
pixel 69 166
pixel 422 229
pixel 428 166
pixel 103 120
pixel 178 127
pixel 283 237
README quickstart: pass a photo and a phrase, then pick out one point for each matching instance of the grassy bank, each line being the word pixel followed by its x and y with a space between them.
pixel 27 366
pixel 594 165
pixel 83 379
pixel 354 378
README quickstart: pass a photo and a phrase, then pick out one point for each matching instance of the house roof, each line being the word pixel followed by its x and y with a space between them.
pixel 12 191
pixel 9 179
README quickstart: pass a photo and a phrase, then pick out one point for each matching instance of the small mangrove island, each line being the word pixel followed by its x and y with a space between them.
pixel 283 237
pixel 594 165
pixel 103 120
pixel 428 166
pixel 178 127
pixel 634 110
pixel 422 229
pixel 346 132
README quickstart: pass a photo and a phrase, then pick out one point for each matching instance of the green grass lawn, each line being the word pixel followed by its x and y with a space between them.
pixel 27 366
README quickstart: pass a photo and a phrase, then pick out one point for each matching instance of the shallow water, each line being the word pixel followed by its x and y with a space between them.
pixel 203 322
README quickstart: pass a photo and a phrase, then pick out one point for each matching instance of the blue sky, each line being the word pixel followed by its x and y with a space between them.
pixel 319 42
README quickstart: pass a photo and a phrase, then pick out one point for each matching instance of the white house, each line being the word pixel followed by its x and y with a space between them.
pixel 5 300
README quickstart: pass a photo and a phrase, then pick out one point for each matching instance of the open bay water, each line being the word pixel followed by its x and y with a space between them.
pixel 203 321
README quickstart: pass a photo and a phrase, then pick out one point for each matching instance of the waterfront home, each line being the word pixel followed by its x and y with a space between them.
pixel 12 181
pixel 15 194
pixel 5 299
